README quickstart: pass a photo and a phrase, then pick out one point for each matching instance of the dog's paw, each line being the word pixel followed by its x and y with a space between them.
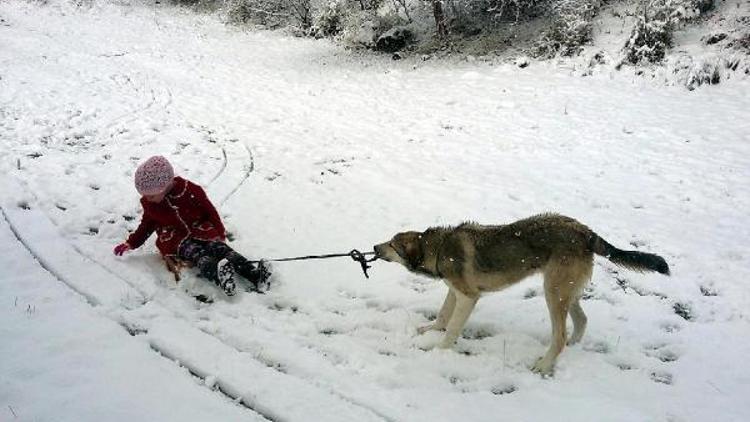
pixel 543 368
pixel 574 339
pixel 446 344
pixel 426 343
pixel 425 328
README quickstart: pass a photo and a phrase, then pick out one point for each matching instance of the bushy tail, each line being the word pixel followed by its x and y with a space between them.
pixel 633 260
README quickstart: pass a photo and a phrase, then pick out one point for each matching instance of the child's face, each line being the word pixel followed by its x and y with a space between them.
pixel 156 198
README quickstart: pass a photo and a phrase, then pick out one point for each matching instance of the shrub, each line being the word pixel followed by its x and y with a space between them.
pixel 395 39
pixel 362 28
pixel 650 39
pixel 330 20
pixel 571 28
pixel 653 31
pixel 269 13
pixel 508 10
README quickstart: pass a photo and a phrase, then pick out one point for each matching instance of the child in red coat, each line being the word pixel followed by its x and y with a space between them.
pixel 187 226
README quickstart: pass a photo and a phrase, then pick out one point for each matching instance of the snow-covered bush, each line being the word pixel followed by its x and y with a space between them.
pixel 301 11
pixel 362 28
pixel 330 19
pixel 742 43
pixel 395 39
pixel 653 31
pixel 710 70
pixel 505 10
pixel 570 29
pixel 471 17
pixel 650 39
pixel 269 13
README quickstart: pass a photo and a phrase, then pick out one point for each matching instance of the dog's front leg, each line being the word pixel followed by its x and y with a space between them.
pixel 462 310
pixel 443 316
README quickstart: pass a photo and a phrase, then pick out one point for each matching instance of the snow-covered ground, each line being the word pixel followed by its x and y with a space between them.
pixel 307 149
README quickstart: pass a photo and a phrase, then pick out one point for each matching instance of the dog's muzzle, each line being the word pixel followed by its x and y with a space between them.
pixel 380 251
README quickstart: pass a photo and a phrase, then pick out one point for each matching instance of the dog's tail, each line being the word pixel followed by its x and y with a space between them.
pixel 633 260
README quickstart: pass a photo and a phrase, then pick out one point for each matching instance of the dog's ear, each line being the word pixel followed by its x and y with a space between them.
pixel 412 249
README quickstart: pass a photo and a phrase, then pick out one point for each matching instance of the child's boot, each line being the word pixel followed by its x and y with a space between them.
pixel 225 277
pixel 257 276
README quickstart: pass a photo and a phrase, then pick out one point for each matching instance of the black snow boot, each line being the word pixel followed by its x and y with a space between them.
pixel 256 275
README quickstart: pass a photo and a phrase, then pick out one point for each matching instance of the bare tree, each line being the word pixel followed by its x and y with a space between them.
pixel 401 4
pixel 437 11
pixel 302 11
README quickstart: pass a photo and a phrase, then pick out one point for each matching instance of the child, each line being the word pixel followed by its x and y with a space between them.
pixel 187 227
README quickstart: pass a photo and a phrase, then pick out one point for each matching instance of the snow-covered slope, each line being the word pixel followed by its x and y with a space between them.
pixel 309 149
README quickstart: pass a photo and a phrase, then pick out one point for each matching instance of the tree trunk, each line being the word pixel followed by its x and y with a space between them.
pixel 437 11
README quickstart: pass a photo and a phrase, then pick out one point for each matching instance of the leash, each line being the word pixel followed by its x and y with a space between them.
pixel 354 254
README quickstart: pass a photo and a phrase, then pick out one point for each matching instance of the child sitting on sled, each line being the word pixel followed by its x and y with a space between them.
pixel 188 228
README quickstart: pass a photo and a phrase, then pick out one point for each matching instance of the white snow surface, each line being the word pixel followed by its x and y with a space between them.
pixel 307 148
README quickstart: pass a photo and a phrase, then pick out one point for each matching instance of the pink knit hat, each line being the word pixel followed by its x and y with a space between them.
pixel 153 176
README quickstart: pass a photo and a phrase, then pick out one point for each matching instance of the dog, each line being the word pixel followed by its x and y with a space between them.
pixel 473 259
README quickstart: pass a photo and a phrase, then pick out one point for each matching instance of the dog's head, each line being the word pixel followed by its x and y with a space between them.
pixel 405 248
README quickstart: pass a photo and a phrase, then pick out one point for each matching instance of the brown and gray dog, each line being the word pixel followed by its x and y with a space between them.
pixel 473 259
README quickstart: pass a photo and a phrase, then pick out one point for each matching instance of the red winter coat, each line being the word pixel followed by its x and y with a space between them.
pixel 185 212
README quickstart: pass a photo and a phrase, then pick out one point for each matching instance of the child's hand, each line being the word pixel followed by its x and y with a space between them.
pixel 121 249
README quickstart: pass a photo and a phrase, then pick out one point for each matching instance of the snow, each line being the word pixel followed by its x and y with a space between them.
pixel 308 149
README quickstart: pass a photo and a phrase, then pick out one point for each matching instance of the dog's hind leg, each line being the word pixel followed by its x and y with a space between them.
pixel 557 279
pixel 461 311
pixel 582 276
pixel 579 322
pixel 443 316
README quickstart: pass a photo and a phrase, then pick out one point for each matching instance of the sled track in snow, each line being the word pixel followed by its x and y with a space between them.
pixel 223 166
pixel 217 386
pixel 334 392
pixel 113 310
pixel 153 100
pixel 90 299
pixel 94 302
pixel 247 168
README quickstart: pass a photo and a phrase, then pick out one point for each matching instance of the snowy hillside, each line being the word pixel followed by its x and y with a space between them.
pixel 307 148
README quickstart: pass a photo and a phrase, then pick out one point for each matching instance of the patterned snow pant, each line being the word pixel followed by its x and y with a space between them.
pixel 206 255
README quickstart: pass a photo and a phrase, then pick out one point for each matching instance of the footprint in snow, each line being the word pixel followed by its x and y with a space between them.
pixel 708 291
pixel 661 352
pixel 669 327
pixel 662 377
pixel 477 333
pixel 503 389
pixel 329 331
pixel 597 347
pixel 684 310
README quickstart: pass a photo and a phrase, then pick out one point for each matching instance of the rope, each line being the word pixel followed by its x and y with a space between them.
pixel 354 254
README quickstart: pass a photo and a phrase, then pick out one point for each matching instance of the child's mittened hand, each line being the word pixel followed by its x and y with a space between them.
pixel 121 249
